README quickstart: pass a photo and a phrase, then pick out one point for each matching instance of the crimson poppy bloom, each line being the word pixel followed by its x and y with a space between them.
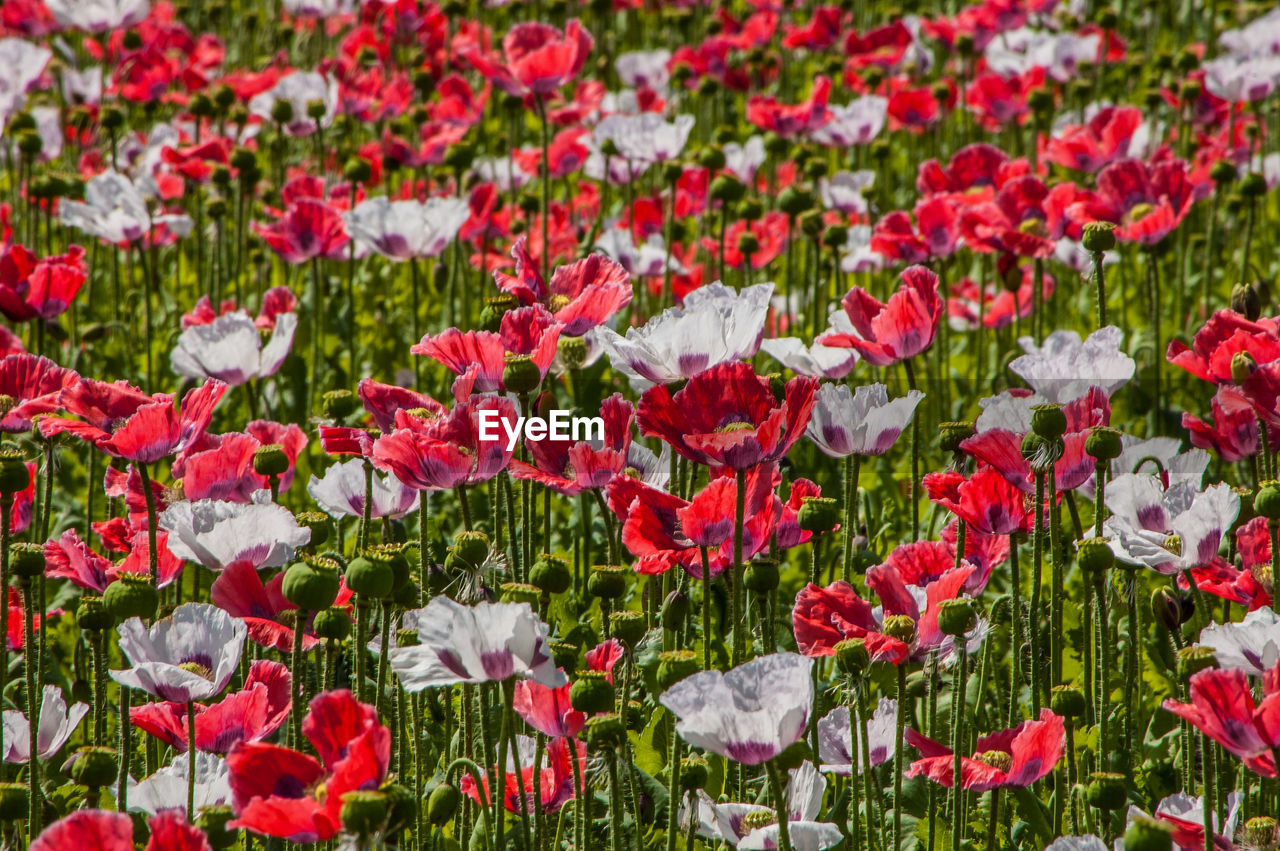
pixel 240 591
pixel 569 467
pixel 445 452
pixel 1146 201
pixel 728 416
pixel 281 792
pixel 531 331
pixel 788 120
pixel 886 333
pixel 1223 708
pixel 823 617
pixel 972 175
pixel 537 58
pixel 936 232
pixel 307 230
pixel 43 288
pixel 33 383
pixel 547 709
pixel 555 777
pixel 580 296
pixel 1016 757
pixel 1103 140
pixel 1224 335
pixel 1233 433
pixel 986 500
pixel 105 830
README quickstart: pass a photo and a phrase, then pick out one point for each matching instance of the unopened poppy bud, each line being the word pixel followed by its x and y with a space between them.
pixel 674 666
pixel 26 559
pixel 761 576
pixel 1260 833
pixel 213 821
pixel 363 813
pixel 1170 609
pixel 13 801
pixel 607 581
pixel 131 595
pixel 332 624
pixel 316 109
pixel 852 657
pixel 711 158
pixel 693 773
pixel 551 574
pixel 592 693
pixel 952 434
pixel 1195 658
pixel 1105 791
pixel 1267 502
pixel 270 460
pixel 605 732
pixel 1253 185
pixel 92 614
pixel 675 608
pixel 1103 443
pixel 1094 556
pixel 1048 420
pixel 15 477
pixel 367 576
pixel 92 766
pixel 900 627
pixel 321 527
pixel 442 803
pixel 471 547
pixel 1148 834
pixel 1245 301
pixel 520 374
pixel 956 617
pixel 312 584
pixel 627 626
pixel 726 189
pixel 1067 701
pixel 1098 237
pixel 818 514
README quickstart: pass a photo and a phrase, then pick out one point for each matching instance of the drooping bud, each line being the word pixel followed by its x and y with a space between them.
pixel 1245 301
pixel 1170 609
pixel 442 803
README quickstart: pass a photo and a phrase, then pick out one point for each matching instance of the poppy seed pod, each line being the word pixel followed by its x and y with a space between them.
pixel 92 614
pixel 1067 701
pixel 442 803
pixel 312 584
pixel 393 555
pixel 131 595
pixel 282 111
pixel 674 666
pixel 748 243
pixel 761 576
pixel 13 801
pixel 956 617
pixel 93 766
pixel 1260 833
pixel 818 514
pixel 339 404
pixel 605 731
pixel 26 559
pixel 901 627
pixel 608 581
pixel 1253 185
pixel 270 460
pixel 712 159
pixel 357 170
pixel 471 547
pixel 565 655
pixel 366 575
pixel 520 374
pixel 952 434
pixel 213 821
pixel 591 693
pixel 332 624
pixel 363 813
pixel 1098 237
pixel 1106 791
pixel 852 657
pixel 551 574
pixel 519 592
pixel 321 527
pixel 1094 555
pixel 1048 420
pixel 794 201
pixel 1195 658
pixel 573 352
pixel 726 189
pixel 14 475
pixel 693 773
pixel 1267 502
pixel 1148 834
pixel 1103 443
pixel 627 626
pixel 1223 171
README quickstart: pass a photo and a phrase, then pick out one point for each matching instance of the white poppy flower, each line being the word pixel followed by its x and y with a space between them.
pixel 190 655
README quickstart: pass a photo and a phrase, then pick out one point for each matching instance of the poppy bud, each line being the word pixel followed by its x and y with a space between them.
pixel 693 773
pixel 675 608
pixel 1170 609
pixel 674 666
pixel 627 626
pixel 332 624
pixel 1099 237
pixel 14 475
pixel 270 460
pixel 1245 301
pixel 1267 502
pixel 1106 791
pixel 366 575
pixel 952 434
pixel 726 189
pixel 818 514
pixel 551 574
pixel 132 595
pixel 1253 185
pixel 1094 555
pixel 573 352
pixel 761 577
pixel 213 821
pixel 607 581
pixel 956 617
pixel 900 627
pixel 363 813
pixel 591 693
pixel 606 731
pixel 748 243
pixel 282 111
pixel 26 559
pixel 1067 701
pixel 811 223
pixel 815 169
pixel 672 171
pixel 13 801
pixel 852 657
pixel 1260 833
pixel 1148 834
pixel 711 158
pixel 1048 421
pixel 521 375
pixel 319 524
pixel 92 766
pixel 471 547
pixel 311 584
pixel 442 803
pixel 357 170
pixel 1195 658
pixel 1103 443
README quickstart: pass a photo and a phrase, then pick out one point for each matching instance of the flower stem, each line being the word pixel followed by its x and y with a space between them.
pixel 33 707
pixel 852 467
pixel 958 747
pixel 192 751
pixel 1037 579
pixel 153 556
pixel 739 520
pixel 125 752
pixel 779 804
pixel 898 729
pixel 297 687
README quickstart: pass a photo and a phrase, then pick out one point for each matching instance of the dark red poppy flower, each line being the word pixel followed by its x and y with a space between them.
pixel 34 384
pixel 915 109
pixel 537 58
pixel 124 422
pixel 1013 758
pixel 69 557
pixel 43 288
pixel 555 778
pixel 1224 335
pixel 1018 221
pixel 467 446
pixel 823 617
pixel 1146 201
pixel 975 171
pixel 104 830
pixel 886 333
pixel 249 715
pixel 547 709
pixel 307 230
pixel 818 33
pixel 571 466
pixel 221 466
pixel 1223 708
pixel 787 119
pixel 281 792
pixel 728 416
pixel 1103 140
pixel 1233 433
pixel 240 591
pixel 897 598
pixel 998 100
pixel 985 501
pixel 883 47
pixel 936 232
pixel 531 331
pixel 581 295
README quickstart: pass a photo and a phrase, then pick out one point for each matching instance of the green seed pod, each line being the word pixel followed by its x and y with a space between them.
pixel 761 576
pixel 321 527
pixel 442 803
pixel 92 614
pixel 818 514
pixel 712 159
pixel 573 352
pixel 339 404
pixel 1048 421
pixel 26 559
pixel 627 626
pixel 591 693
pixel 900 627
pixel 270 460
pixel 357 170
pixel 1103 443
pixel 1067 701
pixel 1260 833
pixel 311 584
pixel 748 243
pixel 1223 172
pixel 394 556
pixel 520 374
pixel 674 666
pixel 1099 237
pixel 852 657
pixel 693 773
pixel 282 111
pixel 1267 502
pixel 793 201
pixel 1147 834
pixel 1106 791
pixel 131 595
pixel 1253 185
pixel 726 189
pixel 15 477
pixel 519 592
pixel 471 547
pixel 551 574
pixel 332 624
pixel 363 813
pixel 368 576
pixel 605 731
pixel 565 655
pixel 213 821
pixel 956 617
pixel 952 434
pixel 1094 556
pixel 608 581
pixel 93 766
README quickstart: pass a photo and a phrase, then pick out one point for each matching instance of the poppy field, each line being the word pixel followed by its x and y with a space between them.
pixel 639 426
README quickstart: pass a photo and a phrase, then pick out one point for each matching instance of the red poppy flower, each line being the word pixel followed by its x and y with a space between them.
pixel 15 638
pixel 1223 708
pixel 892 588
pixel 1015 758
pixel 547 710
pixel 770 232
pixel 1103 140
pixel 975 171
pixel 883 46
pixel 917 109
pixel 728 416
pixel 249 715
pixel 104 830
pixel 445 452
pixel 281 792
pixel 998 100
pixel 788 120
pixel 275 301
pixel 985 501
pixel 42 288
pixel 819 33
pixel 1001 306
pixel 936 232
pixel 1233 434
pixel 555 778
pixel 308 229
pixel 537 58
pixel 528 331
pixel 221 466
pixel 604 656
pixel 68 557
pixel 581 295
pixel 823 617
pixel 1224 335
pixel 124 422
pixel 1017 222
pixel 886 333
pixel 571 466
pixel 34 384
pixel 240 591
pixel 1145 201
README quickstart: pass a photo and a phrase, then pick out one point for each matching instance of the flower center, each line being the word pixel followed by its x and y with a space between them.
pixel 1000 760
pixel 557 303
pixel 197 669
pixel 757 819
pixel 1034 227
pixel 1173 544
pixel 729 427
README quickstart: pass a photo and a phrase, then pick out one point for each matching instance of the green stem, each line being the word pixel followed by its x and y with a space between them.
pixel 192 750
pixel 958 747
pixel 779 805
pixel 898 729
pixel 739 520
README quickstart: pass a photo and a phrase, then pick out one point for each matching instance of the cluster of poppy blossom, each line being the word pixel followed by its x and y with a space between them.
pixel 935 498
